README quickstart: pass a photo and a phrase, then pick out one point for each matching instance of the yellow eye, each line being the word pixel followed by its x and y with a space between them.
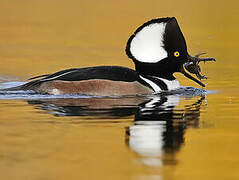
pixel 176 54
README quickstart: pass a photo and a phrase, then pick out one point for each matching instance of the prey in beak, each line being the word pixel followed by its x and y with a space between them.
pixel 192 66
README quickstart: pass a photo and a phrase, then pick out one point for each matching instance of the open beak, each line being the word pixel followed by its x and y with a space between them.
pixel 192 66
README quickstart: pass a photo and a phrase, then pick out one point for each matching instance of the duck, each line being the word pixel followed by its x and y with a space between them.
pixel 158 50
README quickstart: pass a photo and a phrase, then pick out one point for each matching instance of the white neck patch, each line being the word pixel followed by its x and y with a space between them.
pixel 147 45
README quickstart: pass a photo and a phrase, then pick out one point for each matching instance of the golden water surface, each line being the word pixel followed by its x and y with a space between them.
pixel 43 140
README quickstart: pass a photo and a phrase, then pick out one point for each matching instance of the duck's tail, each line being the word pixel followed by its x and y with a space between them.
pixel 16 88
pixel 23 87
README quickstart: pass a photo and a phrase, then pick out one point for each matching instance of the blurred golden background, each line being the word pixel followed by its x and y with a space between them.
pixel 39 37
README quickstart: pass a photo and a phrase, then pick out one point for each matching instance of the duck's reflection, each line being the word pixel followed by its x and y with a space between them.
pixel 158 130
pixel 159 123
pixel 94 107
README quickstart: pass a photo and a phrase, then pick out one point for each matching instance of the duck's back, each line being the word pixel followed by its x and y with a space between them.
pixel 100 80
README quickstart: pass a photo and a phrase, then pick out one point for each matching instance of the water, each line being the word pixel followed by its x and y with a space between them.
pixel 190 134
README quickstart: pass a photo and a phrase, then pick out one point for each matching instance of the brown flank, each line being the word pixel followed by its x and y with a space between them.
pixel 96 87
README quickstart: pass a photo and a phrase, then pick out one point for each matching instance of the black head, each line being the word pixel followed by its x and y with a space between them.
pixel 158 48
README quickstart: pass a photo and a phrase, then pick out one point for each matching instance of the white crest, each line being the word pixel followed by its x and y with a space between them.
pixel 147 45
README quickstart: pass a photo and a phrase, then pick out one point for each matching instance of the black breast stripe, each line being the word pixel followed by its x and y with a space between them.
pixel 157 81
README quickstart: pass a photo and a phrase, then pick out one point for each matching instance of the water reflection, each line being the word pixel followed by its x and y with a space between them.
pixel 159 125
pixel 158 130
pixel 93 107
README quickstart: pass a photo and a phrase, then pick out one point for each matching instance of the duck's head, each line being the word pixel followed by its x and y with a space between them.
pixel 158 48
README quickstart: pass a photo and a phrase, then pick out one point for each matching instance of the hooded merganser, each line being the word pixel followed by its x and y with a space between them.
pixel 157 48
